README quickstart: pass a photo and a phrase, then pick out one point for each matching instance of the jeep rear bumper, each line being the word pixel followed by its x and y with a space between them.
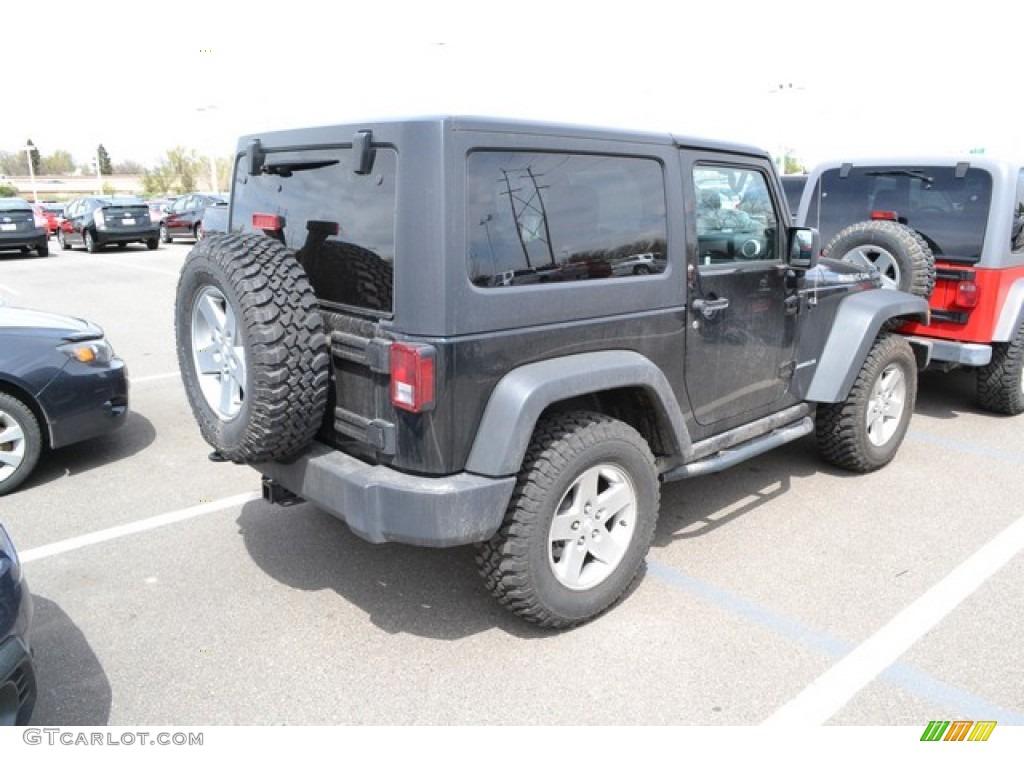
pixel 956 352
pixel 381 504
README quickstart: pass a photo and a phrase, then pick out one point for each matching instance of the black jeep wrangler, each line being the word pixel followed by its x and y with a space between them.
pixel 423 327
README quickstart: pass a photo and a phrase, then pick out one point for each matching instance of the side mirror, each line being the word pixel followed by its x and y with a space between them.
pixel 803 247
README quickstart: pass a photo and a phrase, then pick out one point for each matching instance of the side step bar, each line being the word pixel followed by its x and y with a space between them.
pixel 739 453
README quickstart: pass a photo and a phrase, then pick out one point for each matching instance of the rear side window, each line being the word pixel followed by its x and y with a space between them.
pixel 341 224
pixel 539 217
pixel 946 205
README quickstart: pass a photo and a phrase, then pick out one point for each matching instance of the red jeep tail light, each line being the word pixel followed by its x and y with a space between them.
pixel 884 216
pixel 966 294
pixel 268 221
pixel 412 377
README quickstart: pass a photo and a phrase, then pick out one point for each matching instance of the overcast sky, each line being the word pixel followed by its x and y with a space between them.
pixel 823 78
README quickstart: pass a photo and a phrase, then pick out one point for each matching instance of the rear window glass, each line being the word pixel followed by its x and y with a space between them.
pixel 349 251
pixel 539 217
pixel 948 208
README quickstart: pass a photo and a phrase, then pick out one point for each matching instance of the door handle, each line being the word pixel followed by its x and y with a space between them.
pixel 709 306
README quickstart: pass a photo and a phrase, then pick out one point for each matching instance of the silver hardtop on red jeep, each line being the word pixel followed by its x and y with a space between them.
pixel 425 327
pixel 949 229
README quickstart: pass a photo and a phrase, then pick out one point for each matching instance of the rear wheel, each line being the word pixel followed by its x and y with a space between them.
pixel 1001 383
pixel 863 432
pixel 20 442
pixel 153 244
pixel 90 242
pixel 579 524
pixel 62 242
pixel 43 250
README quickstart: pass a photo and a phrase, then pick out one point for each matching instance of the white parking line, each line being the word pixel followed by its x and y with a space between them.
pixel 9 290
pixel 155 377
pixel 148 524
pixel 834 689
pixel 134 266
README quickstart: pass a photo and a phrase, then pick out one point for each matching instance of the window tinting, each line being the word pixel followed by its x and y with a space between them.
pixel 949 210
pixel 317 193
pixel 538 217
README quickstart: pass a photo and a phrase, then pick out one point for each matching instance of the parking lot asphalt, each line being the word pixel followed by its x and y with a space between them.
pixel 780 591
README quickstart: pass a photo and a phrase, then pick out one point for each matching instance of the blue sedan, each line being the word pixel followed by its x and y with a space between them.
pixel 60 383
pixel 17 673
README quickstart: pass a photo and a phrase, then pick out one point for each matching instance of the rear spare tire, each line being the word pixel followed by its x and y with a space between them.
pixel 252 350
pixel 900 254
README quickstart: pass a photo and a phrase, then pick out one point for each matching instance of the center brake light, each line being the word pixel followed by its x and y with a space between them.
pixel 884 216
pixel 268 221
pixel 412 377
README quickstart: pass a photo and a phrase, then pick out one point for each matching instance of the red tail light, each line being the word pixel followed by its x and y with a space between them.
pixel 884 216
pixel 966 294
pixel 412 377
pixel 268 221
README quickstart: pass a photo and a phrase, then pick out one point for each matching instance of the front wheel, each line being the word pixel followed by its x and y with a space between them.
pixel 863 432
pixel 1000 385
pixel 62 241
pixel 165 236
pixel 579 524
pixel 20 442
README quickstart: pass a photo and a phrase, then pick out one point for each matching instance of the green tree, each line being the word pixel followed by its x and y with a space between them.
pixel 59 162
pixel 106 168
pixel 176 173
pixel 129 167
pixel 792 165
pixel 6 190
pixel 13 164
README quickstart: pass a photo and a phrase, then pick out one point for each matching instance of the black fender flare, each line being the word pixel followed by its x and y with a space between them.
pixel 858 321
pixel 523 394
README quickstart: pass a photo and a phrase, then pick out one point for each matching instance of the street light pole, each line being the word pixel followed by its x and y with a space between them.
pixel 787 90
pixel 31 172
pixel 213 159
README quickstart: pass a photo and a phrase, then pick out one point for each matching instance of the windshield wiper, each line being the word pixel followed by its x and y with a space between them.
pixel 287 169
pixel 919 175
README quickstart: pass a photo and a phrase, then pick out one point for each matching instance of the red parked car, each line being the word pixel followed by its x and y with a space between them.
pixel 52 212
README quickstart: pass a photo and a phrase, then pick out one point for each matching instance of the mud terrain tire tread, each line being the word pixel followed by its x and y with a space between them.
pixel 841 428
pixel 1000 387
pixel 287 350
pixel 514 563
pixel 909 251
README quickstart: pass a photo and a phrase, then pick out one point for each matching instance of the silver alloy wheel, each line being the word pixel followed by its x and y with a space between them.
pixel 882 260
pixel 218 353
pixel 885 405
pixel 12 445
pixel 592 527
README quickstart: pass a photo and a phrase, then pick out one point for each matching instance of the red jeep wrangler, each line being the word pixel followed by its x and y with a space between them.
pixel 948 229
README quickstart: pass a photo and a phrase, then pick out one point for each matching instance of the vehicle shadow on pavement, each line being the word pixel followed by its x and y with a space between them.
pixel 135 435
pixel 433 593
pixel 946 395
pixel 73 688
pixel 700 505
